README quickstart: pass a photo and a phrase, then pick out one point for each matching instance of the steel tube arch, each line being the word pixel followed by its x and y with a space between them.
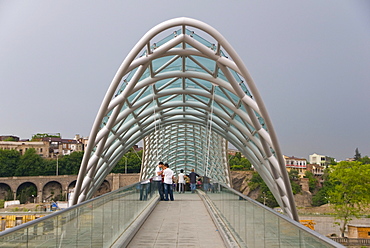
pixel 186 97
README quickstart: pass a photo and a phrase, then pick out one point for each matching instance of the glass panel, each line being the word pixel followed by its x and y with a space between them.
pixel 254 225
pixel 95 223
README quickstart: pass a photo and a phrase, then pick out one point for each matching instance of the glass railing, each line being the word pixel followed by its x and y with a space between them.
pixel 254 225
pixel 94 223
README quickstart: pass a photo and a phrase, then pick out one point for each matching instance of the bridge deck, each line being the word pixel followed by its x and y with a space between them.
pixel 184 222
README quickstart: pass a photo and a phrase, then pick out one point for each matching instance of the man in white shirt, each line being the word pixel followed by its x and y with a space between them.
pixel 181 181
pixel 157 179
pixel 168 182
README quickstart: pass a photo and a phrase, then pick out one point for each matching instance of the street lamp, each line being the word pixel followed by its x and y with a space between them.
pixel 264 198
pixel 125 164
pixel 57 154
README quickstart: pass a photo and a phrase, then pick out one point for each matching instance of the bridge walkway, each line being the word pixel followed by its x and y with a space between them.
pixel 184 222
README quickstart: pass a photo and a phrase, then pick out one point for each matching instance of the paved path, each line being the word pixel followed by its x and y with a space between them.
pixel 184 222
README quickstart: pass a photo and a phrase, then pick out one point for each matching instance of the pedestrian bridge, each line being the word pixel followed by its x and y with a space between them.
pixel 133 216
pixel 184 91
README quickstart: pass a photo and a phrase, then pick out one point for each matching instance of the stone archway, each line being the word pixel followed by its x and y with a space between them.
pixel 6 192
pixel 103 189
pixel 52 191
pixel 26 192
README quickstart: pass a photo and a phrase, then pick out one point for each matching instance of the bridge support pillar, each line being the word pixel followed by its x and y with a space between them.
pixel 39 196
pixel 115 181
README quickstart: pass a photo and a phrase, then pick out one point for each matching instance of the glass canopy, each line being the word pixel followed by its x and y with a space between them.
pixel 186 95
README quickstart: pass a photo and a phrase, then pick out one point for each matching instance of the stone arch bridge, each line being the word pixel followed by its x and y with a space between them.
pixel 57 187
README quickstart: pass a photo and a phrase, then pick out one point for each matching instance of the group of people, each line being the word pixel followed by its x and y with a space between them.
pixel 164 179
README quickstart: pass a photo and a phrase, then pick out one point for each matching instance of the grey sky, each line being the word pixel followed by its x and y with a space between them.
pixel 310 61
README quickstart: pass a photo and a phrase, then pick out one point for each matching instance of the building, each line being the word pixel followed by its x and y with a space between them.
pixel 293 163
pixel 59 146
pixel 41 147
pixel 317 170
pixel 320 160
pixel 359 231
pixel 46 147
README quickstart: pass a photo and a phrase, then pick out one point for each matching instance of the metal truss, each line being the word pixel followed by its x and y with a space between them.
pixel 187 146
pixel 186 95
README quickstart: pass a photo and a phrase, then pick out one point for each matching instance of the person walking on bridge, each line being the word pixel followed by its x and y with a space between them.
pixel 181 181
pixel 193 180
pixel 157 179
pixel 168 182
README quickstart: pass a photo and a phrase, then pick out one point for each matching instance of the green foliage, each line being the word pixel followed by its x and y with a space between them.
pixel 237 162
pixel 265 195
pixel 9 160
pixel 133 161
pixel 12 163
pixel 30 164
pixel 25 192
pixel 2 203
pixel 321 197
pixel 294 181
pixel 350 192
pixel 10 139
pixel 357 156
pixel 70 164
pixel 237 167
pixel 255 181
pixel 365 160
pixel 312 181
pixel 39 136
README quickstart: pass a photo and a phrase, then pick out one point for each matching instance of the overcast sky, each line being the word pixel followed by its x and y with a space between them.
pixel 310 61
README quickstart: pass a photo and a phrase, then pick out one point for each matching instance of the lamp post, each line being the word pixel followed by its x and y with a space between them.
pixel 57 154
pixel 264 198
pixel 125 164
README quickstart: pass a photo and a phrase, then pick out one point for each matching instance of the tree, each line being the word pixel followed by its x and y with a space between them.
pixel 70 164
pixel 321 197
pixel 9 160
pixel 39 136
pixel 357 156
pixel 30 164
pixel 293 178
pixel 133 161
pixel 351 190
pixel 237 162
pixel 365 160
pixel 312 181
pixel 265 196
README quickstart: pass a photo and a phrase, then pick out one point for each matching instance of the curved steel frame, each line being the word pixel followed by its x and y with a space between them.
pixel 185 96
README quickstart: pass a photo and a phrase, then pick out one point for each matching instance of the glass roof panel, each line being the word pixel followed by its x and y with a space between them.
pixel 131 74
pixel 245 89
pixel 199 38
pixel 174 66
pixel 205 62
pixel 236 76
pixel 261 120
pixel 175 84
pixel 204 83
pixel 223 108
pixel 222 76
pixel 166 39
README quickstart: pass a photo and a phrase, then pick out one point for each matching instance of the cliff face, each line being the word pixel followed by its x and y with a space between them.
pixel 240 183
